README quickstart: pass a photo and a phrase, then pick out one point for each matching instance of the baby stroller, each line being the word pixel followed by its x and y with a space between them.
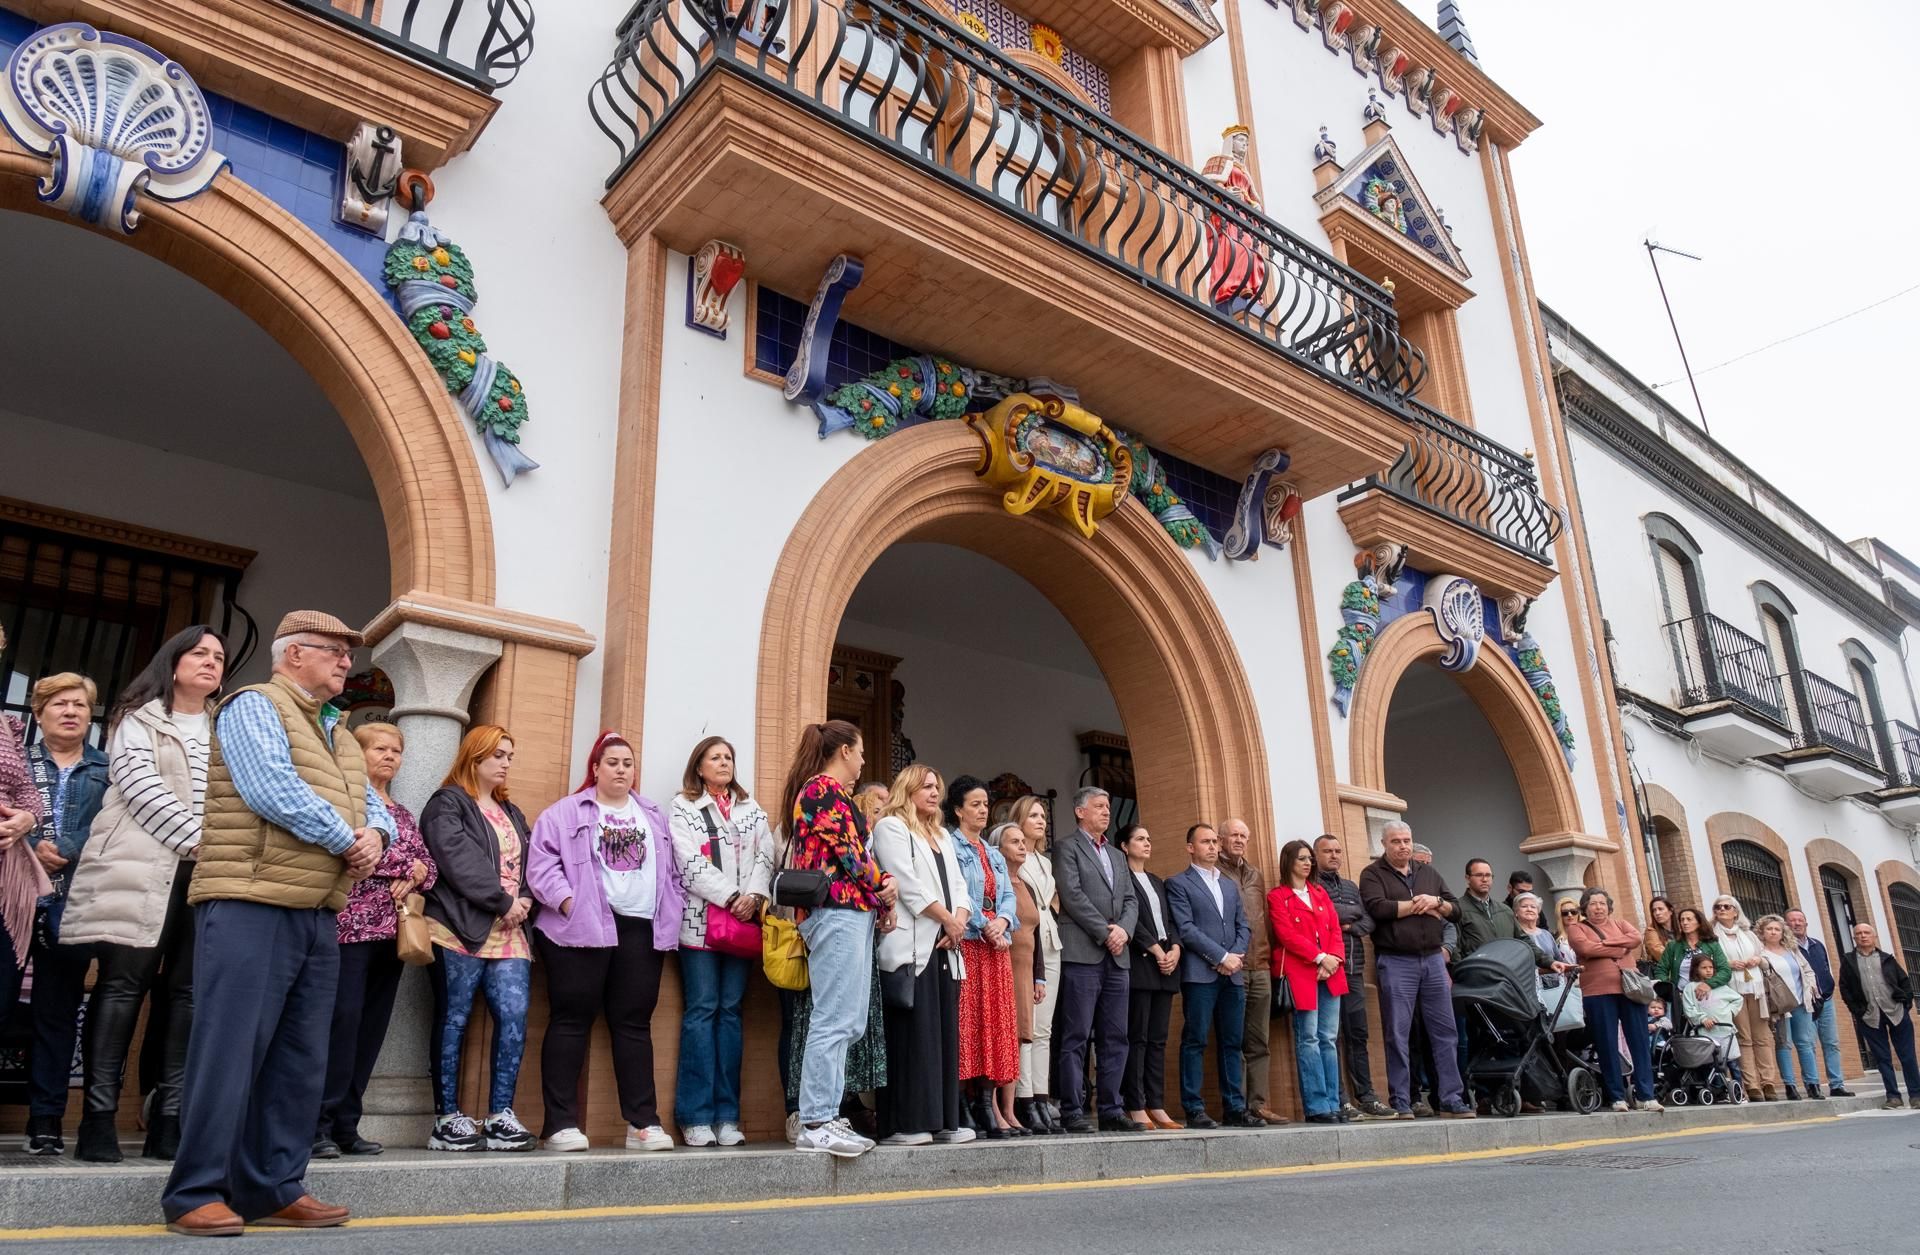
pixel 1512 1050
pixel 1691 1067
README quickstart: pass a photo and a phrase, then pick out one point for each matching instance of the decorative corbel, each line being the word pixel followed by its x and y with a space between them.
pixel 1393 64
pixel 1514 608
pixel 1336 20
pixel 716 269
pixel 807 377
pixel 369 178
pixel 1384 562
pixel 1366 46
pixel 1419 86
pixel 1468 125
pixel 1446 102
pixel 1266 509
pixel 1304 12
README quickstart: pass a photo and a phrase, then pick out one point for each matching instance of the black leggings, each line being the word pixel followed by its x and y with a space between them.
pixel 127 974
pixel 621 980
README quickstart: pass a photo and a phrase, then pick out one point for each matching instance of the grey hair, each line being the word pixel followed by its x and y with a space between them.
pixel 1421 849
pixel 1534 898
pixel 993 833
pixel 1395 825
pixel 278 650
pixel 1740 919
pixel 1086 794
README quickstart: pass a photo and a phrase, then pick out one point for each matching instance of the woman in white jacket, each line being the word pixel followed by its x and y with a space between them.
pixel 920 965
pixel 129 895
pixel 1745 954
pixel 723 852
pixel 1036 1056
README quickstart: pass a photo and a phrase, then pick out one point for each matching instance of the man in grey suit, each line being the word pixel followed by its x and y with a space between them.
pixel 1212 927
pixel 1100 908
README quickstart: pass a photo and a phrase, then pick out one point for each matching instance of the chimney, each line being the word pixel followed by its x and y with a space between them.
pixel 1453 29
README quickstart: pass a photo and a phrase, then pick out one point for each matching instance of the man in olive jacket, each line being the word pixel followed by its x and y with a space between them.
pixel 290 822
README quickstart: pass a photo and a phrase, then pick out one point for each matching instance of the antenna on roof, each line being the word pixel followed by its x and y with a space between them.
pixel 1654 248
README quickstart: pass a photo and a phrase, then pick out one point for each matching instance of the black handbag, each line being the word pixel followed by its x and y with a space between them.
pixel 793 886
pixel 896 987
pixel 1282 990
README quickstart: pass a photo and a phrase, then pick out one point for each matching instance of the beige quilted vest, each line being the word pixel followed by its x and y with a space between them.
pixel 242 855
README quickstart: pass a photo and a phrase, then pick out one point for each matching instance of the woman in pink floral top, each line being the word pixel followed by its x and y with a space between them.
pixel 370 964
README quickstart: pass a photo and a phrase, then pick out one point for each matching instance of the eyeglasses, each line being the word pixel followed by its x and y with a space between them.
pixel 1568 913
pixel 338 649
pixel 1724 906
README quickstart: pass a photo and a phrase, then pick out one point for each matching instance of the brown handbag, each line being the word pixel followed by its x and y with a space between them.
pixel 411 939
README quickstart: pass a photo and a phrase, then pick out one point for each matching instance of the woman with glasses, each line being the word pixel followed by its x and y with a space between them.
pixel 1568 915
pixel 1745 955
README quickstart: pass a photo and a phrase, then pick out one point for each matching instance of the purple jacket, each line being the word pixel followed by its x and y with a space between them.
pixel 561 865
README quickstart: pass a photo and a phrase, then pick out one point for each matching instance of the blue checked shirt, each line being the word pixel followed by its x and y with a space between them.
pixel 254 747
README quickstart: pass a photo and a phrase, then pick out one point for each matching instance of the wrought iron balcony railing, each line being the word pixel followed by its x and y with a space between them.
pixel 483 43
pixel 1903 755
pixel 914 84
pixel 1459 474
pixel 1718 662
pixel 1834 720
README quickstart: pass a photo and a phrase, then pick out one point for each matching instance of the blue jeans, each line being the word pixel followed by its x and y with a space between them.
pixel 1607 1015
pixel 457 978
pixel 1410 982
pixel 1221 1005
pixel 1797 1023
pixel 712 986
pixel 840 974
pixel 1315 1048
pixel 1828 1023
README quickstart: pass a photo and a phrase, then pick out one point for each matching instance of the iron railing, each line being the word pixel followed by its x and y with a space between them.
pixel 483 43
pixel 1718 662
pixel 919 87
pixel 1455 472
pixel 1903 755
pixel 1835 720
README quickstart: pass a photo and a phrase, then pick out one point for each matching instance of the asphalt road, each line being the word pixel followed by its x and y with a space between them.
pixel 1824 1189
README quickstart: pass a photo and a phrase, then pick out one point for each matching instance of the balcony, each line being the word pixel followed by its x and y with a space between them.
pixel 1461 503
pixel 1731 700
pixel 427 68
pixel 1835 755
pixel 1900 800
pixel 1003 222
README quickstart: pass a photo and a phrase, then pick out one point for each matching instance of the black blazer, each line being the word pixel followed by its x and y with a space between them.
pixel 1146 973
pixel 1853 991
pixel 468 897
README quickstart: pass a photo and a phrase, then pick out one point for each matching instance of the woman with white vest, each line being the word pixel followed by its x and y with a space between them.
pixel 1036 1056
pixel 129 895
pixel 920 965
pixel 723 855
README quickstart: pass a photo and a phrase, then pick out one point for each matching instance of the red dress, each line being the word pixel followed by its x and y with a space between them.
pixel 989 1033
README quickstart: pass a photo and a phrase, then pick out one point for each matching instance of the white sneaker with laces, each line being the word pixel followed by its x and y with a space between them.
pixel 1621 1106
pixel 953 1137
pixel 653 1137
pixel 698 1134
pixel 566 1140
pixel 907 1139
pixel 793 1127
pixel 1652 1104
pixel 847 1130
pixel 832 1139
pixel 730 1134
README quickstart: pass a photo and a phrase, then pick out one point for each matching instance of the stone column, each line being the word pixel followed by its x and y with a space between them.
pixel 1565 863
pixel 434 670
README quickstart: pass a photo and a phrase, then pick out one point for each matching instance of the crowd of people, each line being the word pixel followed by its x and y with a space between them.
pixel 235 862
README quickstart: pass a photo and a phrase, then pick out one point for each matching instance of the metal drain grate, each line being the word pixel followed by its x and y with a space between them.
pixel 1623 1163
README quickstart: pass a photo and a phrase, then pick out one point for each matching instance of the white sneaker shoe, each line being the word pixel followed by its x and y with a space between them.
pixel 907 1139
pixel 847 1130
pixel 832 1139
pixel 1652 1104
pixel 698 1134
pixel 953 1137
pixel 730 1134
pixel 793 1127
pixel 653 1137
pixel 566 1140
pixel 1621 1106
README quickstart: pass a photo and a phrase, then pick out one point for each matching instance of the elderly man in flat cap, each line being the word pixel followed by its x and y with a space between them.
pixel 290 821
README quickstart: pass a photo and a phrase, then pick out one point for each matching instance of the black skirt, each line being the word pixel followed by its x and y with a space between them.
pixel 923 1057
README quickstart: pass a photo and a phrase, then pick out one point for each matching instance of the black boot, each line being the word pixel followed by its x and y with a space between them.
pixel 163 1137
pixel 1023 1112
pixel 984 1120
pixel 1043 1115
pixel 1813 1091
pixel 99 1139
pixel 1793 1095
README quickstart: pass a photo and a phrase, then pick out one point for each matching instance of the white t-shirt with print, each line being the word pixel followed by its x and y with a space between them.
pixel 623 851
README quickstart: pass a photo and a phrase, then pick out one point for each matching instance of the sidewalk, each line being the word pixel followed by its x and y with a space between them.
pixel 38 1192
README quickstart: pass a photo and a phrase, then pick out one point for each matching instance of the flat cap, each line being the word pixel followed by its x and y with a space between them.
pixel 319 623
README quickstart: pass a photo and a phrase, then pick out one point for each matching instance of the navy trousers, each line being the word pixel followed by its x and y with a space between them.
pixel 264 983
pixel 1090 993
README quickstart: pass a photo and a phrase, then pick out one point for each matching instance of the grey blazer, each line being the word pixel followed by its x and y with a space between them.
pixel 1088 902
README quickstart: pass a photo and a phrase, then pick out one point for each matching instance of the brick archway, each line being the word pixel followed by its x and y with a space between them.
pixel 1675 843
pixel 1735 826
pixel 1130 593
pixel 273 268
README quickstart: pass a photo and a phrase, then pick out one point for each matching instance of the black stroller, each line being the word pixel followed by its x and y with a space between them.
pixel 1691 1067
pixel 1512 1050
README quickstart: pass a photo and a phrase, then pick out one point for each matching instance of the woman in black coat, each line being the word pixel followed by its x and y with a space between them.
pixel 1156 978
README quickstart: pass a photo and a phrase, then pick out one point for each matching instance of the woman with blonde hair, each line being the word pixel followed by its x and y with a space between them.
pixel 1746 956
pixel 1029 814
pixel 1791 1023
pixel 476 914
pixel 920 965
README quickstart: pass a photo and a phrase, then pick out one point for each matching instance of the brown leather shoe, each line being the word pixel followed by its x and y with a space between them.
pixel 1272 1117
pixel 306 1212
pixel 214 1220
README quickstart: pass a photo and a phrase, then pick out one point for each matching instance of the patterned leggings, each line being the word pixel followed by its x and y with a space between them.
pixel 456 979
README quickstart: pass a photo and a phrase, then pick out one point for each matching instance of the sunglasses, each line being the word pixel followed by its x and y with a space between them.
pixel 1565 914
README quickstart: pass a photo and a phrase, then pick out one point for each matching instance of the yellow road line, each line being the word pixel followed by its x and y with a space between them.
pixel 72 1232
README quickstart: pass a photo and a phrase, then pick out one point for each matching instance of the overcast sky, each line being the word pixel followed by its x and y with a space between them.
pixel 1775 140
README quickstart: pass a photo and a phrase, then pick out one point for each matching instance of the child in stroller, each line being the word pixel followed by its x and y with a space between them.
pixel 1696 1064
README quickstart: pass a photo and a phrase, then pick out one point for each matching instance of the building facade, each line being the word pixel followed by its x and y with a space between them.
pixel 1146 393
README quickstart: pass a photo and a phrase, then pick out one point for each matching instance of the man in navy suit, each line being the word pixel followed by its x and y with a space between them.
pixel 1211 924
pixel 1098 908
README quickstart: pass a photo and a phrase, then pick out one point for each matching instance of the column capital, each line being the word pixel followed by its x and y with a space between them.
pixel 433 670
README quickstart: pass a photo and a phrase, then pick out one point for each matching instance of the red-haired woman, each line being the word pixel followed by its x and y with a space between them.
pixel 723 855
pixel 475 914
pixel 601 867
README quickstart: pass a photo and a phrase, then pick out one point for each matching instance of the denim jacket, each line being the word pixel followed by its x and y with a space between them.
pixel 1003 901
pixel 80 801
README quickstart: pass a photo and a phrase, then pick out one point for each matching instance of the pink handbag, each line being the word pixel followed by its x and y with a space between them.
pixel 725 934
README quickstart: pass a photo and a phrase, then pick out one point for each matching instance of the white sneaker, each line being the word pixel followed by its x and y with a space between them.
pixel 1621 1106
pixel 832 1139
pixel 847 1130
pixel 730 1134
pixel 698 1134
pixel 653 1137
pixel 953 1137
pixel 1652 1104
pixel 907 1139
pixel 793 1127
pixel 566 1139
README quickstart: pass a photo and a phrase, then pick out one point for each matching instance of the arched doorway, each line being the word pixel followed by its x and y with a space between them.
pixel 1128 593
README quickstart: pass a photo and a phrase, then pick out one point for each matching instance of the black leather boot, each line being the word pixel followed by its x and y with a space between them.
pixel 163 1137
pixel 99 1140
pixel 1023 1112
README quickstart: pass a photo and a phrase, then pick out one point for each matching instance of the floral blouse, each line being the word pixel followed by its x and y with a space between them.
pixel 368 914
pixel 830 835
pixel 502 942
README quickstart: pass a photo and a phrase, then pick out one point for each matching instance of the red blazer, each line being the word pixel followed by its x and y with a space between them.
pixel 1305 933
